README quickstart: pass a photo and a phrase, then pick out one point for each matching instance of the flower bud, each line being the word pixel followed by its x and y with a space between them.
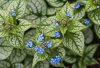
pixel 11 26
pixel 12 37
pixel 3 23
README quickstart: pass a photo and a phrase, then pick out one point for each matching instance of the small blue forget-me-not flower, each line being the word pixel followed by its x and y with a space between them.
pixel 40 37
pixel 29 44
pixel 68 14
pixel 49 44
pixel 77 5
pixel 57 34
pixel 56 23
pixel 58 58
pixel 13 14
pixel 86 22
pixel 36 48
pixel 40 50
pixel 53 61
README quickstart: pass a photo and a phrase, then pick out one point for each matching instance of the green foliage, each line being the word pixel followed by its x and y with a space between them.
pixel 75 42
pixel 41 33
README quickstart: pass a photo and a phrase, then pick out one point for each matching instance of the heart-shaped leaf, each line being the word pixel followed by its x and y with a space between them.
pixel 70 56
pixel 37 7
pixel 90 6
pixel 17 55
pixel 17 41
pixel 97 30
pixel 17 6
pixel 55 3
pixel 30 51
pixel 38 57
pixel 42 64
pixel 13 31
pixel 2 2
pixel 48 26
pixel 35 19
pixel 5 4
pixel 29 34
pixel 55 42
pixel 81 64
pixel 88 35
pixel 3 16
pixel 90 50
pixel 90 61
pixel 75 26
pixel 28 62
pixel 50 32
pixel 78 13
pixel 63 29
pixel 51 11
pixel 94 16
pixel 3 33
pixel 5 49
pixel 16 65
pixel 67 9
pixel 75 65
pixel 75 42
pixel 23 25
pixel 9 19
pixel 4 64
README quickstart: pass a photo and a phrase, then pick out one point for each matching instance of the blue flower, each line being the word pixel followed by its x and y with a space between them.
pixel 86 22
pixel 49 44
pixel 13 14
pixel 53 61
pixel 29 44
pixel 40 37
pixel 19 67
pixel 68 14
pixel 56 24
pixel 36 48
pixel 77 5
pixel 57 34
pixel 40 50
pixel 58 58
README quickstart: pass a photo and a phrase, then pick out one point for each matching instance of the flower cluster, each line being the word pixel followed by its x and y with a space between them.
pixel 13 14
pixel 68 14
pixel 40 37
pixel 7 26
pixel 57 60
pixel 86 22
pixel 29 44
pixel 40 50
pixel 77 5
